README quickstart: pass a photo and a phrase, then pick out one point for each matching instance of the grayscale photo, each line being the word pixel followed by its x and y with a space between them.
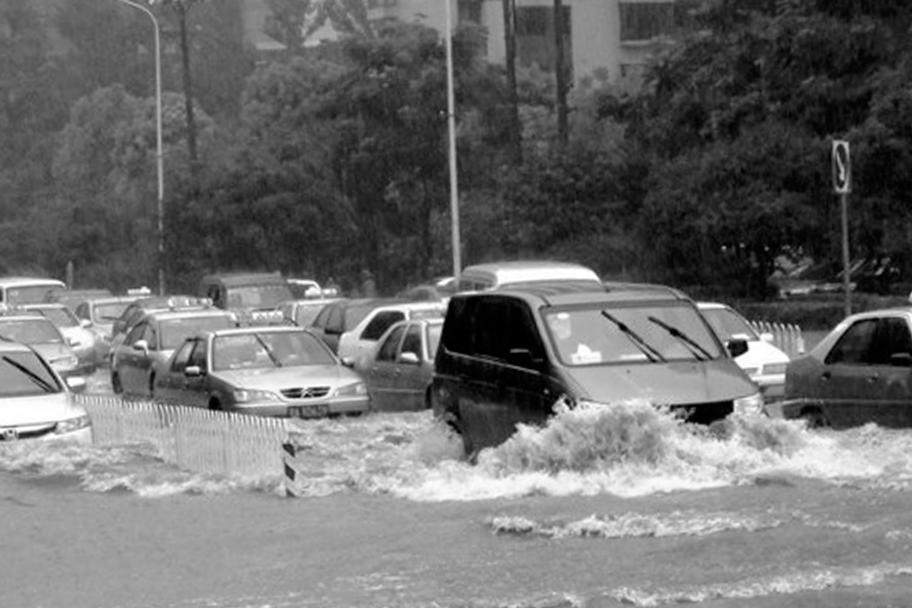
pixel 455 303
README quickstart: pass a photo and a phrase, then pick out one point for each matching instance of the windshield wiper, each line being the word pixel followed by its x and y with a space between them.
pixel 35 378
pixel 700 353
pixel 651 353
pixel 275 360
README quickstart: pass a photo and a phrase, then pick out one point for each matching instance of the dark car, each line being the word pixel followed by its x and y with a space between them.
pixel 860 372
pixel 399 370
pixel 506 357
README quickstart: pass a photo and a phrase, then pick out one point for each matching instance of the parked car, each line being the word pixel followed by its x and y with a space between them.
pixel 144 304
pixel 304 288
pixel 303 312
pixel 101 314
pixel 35 403
pixel 340 316
pixel 263 370
pixel 494 275
pixel 251 296
pixel 149 344
pixel 77 333
pixel 24 290
pixel 858 373
pixel 399 369
pixel 357 342
pixel 763 361
pixel 37 331
pixel 507 356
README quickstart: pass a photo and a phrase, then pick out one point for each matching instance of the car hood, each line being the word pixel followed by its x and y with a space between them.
pixel 279 377
pixel 39 409
pixel 760 353
pixel 674 383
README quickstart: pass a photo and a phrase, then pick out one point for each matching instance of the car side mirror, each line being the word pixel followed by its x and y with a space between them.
pixel 348 361
pixel 409 357
pixel 142 345
pixel 901 359
pixel 193 371
pixel 737 347
pixel 85 323
pixel 76 383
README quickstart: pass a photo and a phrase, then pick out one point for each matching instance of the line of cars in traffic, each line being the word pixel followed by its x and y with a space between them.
pixel 507 342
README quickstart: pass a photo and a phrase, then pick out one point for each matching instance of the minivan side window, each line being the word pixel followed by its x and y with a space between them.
pixel 503 325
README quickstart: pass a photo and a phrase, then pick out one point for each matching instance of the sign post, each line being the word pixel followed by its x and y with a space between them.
pixel 842 185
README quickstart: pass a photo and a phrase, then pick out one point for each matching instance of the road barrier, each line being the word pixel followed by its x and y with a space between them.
pixel 786 337
pixel 194 439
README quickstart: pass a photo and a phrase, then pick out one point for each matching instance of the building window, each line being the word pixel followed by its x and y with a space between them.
pixel 535 37
pixel 470 11
pixel 642 21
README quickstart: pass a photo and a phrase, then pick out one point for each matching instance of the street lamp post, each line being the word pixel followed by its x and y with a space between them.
pixel 159 159
pixel 451 130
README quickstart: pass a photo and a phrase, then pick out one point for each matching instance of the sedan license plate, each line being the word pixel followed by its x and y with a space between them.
pixel 308 411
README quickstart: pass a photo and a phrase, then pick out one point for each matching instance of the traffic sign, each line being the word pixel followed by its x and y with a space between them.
pixel 842 167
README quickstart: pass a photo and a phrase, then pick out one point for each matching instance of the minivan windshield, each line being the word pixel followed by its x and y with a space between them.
pixel 264 295
pixel 641 333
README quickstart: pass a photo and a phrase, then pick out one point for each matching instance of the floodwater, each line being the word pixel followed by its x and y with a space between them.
pixel 606 506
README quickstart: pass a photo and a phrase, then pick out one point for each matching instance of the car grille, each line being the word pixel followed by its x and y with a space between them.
pixel 309 392
pixel 13 434
pixel 704 413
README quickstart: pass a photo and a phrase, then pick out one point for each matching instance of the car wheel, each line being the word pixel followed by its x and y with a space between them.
pixel 115 384
pixel 815 419
pixel 152 386
pixel 215 405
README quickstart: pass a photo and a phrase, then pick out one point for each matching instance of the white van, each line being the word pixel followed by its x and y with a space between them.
pixel 494 275
pixel 29 290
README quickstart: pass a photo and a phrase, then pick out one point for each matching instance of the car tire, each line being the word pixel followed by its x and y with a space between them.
pixel 815 419
pixel 115 384
pixel 215 405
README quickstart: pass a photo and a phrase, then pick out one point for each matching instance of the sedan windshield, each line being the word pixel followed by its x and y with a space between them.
pixel 629 334
pixel 61 317
pixel 30 331
pixel 267 350
pixel 24 374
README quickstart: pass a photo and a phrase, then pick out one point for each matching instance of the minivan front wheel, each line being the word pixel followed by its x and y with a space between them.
pixel 815 419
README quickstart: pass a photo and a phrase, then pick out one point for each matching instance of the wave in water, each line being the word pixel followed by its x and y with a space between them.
pixel 629 449
pixel 820 579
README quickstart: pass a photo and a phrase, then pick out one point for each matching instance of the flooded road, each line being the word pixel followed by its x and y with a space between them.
pixel 607 506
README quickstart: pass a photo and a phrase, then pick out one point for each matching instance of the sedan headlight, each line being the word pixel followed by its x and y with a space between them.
pixel 751 405
pixel 358 389
pixel 72 424
pixel 242 395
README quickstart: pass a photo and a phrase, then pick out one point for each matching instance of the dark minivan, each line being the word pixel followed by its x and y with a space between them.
pixel 506 357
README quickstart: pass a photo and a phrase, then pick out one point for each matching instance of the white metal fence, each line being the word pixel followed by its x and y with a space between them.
pixel 192 438
pixel 786 337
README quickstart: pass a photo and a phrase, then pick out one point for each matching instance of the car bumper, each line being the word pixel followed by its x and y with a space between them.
pixel 289 409
pixel 772 387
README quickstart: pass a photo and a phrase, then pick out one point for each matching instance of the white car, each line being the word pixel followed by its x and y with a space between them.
pixel 763 361
pixel 361 339
pixel 35 403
